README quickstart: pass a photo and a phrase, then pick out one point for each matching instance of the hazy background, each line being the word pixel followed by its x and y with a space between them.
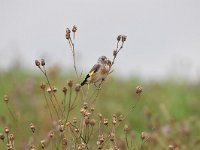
pixel 163 35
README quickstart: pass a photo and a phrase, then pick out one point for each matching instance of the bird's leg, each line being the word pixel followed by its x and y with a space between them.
pixel 97 86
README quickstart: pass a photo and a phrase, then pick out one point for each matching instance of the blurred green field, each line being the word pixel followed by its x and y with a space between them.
pixel 168 110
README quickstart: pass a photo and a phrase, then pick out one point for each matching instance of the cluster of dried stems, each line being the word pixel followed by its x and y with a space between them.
pixel 89 129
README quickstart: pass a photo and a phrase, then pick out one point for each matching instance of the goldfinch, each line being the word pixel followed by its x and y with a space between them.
pixel 98 72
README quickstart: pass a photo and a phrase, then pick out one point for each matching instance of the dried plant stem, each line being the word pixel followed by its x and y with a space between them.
pixel 90 134
pixel 144 141
pixel 131 109
pixel 84 142
pixel 12 144
pixel 126 139
pixel 8 141
pixel 64 102
pixel 116 126
pixel 45 97
pixel 52 144
pixel 50 97
pixel 50 86
pixel 74 56
pixel 117 51
pixel 74 102
pixel 69 104
pixel 80 136
pixel 11 113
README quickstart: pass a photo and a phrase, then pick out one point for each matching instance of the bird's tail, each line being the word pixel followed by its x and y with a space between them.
pixel 84 81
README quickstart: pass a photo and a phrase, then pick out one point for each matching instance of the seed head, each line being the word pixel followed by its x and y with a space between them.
pixel 87 114
pixel 55 89
pixel 139 90
pixel 67 124
pixel 37 63
pixel 77 130
pixel 100 116
pixel 112 136
pixel 74 120
pixel 11 137
pixel 119 37
pixel 126 128
pixel 49 90
pixel 42 142
pixel 80 147
pixel 67 35
pixel 124 37
pixel 2 137
pixel 51 134
pixel 171 147
pixel 83 111
pixel 87 120
pixel 70 83
pixel 74 29
pixel 143 135
pixel 64 141
pixel 115 52
pixel 121 118
pixel 92 109
pixel 105 121
pixel 77 87
pixel 92 122
pixel 32 127
pixel 32 147
pixel 6 98
pixel 42 62
pixel 85 105
pixel 9 146
pixel 100 146
pixel 61 128
pixel 101 139
pixel 64 90
pixel 6 130
pixel 60 122
pixel 114 119
pixel 43 86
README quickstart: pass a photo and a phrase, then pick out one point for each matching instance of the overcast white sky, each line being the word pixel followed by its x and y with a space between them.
pixel 163 35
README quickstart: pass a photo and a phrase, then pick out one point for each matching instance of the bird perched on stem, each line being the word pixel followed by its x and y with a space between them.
pixel 98 72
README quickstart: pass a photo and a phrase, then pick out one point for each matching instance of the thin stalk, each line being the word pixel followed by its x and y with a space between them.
pixel 126 138
pixel 74 101
pixel 64 102
pixel 74 56
pixel 50 97
pixel 46 76
pixel 45 97
pixel 11 113
pixel 69 104
pixel 7 138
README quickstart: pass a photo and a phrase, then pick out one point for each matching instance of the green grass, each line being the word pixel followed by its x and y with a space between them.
pixel 173 104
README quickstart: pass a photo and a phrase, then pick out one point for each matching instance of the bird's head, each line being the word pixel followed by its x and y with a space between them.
pixel 102 59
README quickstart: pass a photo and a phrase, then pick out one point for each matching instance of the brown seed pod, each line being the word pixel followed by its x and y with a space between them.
pixel 139 90
pixel 42 62
pixel 74 29
pixel 70 83
pixel 6 98
pixel 37 63
pixel 77 87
